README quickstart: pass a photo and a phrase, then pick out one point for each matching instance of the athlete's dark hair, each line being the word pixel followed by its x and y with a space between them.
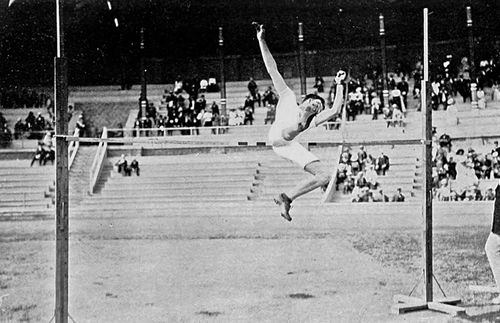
pixel 315 97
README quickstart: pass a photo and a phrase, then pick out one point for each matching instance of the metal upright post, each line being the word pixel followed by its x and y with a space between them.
pixel 426 161
pixel 385 93
pixel 302 64
pixel 221 73
pixel 62 173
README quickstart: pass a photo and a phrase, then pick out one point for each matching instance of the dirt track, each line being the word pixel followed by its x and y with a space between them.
pixel 208 269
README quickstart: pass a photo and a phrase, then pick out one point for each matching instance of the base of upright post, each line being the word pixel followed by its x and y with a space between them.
pixel 404 304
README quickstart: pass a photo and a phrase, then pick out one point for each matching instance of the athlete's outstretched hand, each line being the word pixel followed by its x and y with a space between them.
pixel 260 30
pixel 340 77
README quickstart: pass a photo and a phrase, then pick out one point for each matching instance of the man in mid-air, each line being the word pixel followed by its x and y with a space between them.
pixel 291 120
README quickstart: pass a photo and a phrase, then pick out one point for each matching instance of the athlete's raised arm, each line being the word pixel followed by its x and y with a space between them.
pixel 269 62
pixel 328 114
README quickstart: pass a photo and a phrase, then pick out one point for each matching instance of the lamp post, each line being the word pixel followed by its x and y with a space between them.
pixel 472 71
pixel 221 72
pixel 143 99
pixel 385 92
pixel 302 64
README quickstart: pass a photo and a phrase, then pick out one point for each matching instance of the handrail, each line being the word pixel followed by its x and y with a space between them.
pixel 97 164
pixel 73 149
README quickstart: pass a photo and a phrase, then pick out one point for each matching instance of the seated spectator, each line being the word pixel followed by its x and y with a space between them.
pixel 39 122
pixel 39 154
pixel 203 85
pixel 382 164
pixel 122 165
pixel 248 120
pixel 134 166
pixel 398 196
pixel 371 177
pixel 481 99
pixel 5 135
pixel 270 115
pixel 489 195
pixel 269 97
pixel 206 118
pixel 19 129
pixel 319 84
pixel 379 196
pixel 212 85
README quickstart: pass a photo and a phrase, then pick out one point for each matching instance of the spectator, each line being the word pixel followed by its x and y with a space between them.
pixel 382 164
pixel 269 97
pixel 215 108
pixel 248 120
pixel 39 154
pixel 319 84
pixel 379 196
pixel 254 91
pixel 249 102
pixel 40 122
pixel 207 117
pixel 134 166
pixel 212 85
pixel 398 196
pixel 80 125
pixel 481 100
pixel 371 178
pixel 178 85
pixel 19 129
pixel 203 85
pixel 375 105
pixel 122 165
pixel 489 195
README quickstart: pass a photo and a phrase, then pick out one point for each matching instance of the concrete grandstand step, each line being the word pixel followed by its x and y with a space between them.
pixel 24 204
pixel 178 190
pixel 170 180
pixel 190 173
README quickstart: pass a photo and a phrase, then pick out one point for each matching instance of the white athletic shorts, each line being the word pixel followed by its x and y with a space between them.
pixel 294 152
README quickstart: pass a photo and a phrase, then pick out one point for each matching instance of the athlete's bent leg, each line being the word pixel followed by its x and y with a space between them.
pixel 320 178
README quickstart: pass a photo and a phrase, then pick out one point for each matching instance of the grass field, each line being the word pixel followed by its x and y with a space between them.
pixel 243 270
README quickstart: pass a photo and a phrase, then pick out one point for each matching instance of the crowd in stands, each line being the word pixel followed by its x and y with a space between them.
pixel 358 175
pixel 457 175
pixel 183 107
pixel 24 98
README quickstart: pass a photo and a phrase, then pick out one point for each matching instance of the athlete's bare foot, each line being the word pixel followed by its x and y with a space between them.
pixel 285 203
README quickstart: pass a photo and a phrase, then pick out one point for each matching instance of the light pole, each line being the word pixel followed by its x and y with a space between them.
pixel 302 67
pixel 472 71
pixel 221 73
pixel 385 92
pixel 143 99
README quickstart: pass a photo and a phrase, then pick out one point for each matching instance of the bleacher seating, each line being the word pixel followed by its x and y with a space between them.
pixel 25 189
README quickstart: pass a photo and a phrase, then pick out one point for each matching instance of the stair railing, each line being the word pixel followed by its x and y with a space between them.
pixel 73 148
pixel 98 163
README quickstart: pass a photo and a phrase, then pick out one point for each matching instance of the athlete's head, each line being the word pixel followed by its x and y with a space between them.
pixel 310 107
pixel 313 102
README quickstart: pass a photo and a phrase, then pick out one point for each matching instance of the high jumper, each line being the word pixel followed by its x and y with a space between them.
pixel 293 119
